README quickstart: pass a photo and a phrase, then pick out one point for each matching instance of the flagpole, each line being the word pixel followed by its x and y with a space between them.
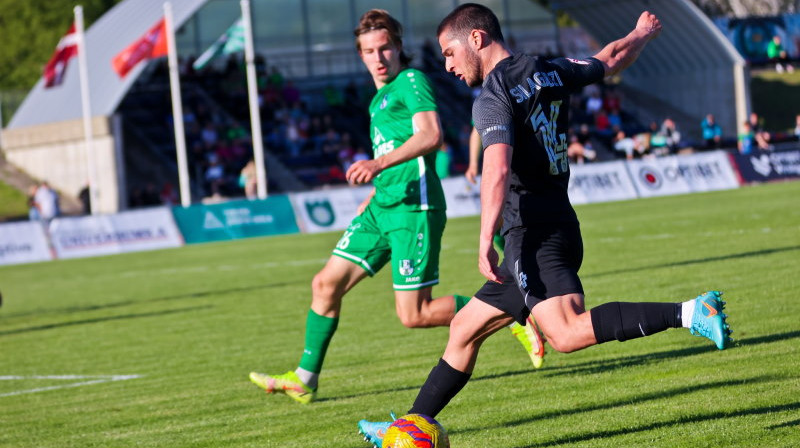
pixel 177 108
pixel 88 132
pixel 255 114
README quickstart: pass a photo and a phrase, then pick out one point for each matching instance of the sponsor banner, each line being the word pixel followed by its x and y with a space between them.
pixel 327 210
pixel 661 176
pixel 23 242
pixel 131 231
pixel 236 219
pixel 463 198
pixel 600 182
pixel 767 166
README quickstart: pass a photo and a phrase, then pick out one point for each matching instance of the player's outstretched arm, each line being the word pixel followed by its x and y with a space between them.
pixel 621 53
pixel 427 138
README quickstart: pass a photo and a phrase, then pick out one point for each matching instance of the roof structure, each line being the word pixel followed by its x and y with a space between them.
pixel 110 34
pixel 691 66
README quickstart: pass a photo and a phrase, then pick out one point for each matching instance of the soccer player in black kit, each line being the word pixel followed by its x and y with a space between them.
pixel 521 114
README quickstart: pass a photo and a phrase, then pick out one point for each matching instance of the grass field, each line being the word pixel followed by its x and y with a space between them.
pixel 153 349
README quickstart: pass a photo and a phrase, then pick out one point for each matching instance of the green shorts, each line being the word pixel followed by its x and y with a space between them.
pixel 411 240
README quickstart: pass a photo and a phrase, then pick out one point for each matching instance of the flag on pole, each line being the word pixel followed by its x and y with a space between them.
pixel 57 65
pixel 231 41
pixel 152 45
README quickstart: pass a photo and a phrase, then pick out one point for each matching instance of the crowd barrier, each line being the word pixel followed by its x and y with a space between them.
pixel 202 223
pixel 332 209
pixel 768 166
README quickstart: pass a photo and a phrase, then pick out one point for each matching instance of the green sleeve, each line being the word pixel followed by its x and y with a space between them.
pixel 417 91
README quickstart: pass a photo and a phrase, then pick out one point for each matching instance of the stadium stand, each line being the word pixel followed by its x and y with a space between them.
pixel 310 91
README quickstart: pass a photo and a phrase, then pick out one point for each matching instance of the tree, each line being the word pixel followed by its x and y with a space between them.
pixel 31 30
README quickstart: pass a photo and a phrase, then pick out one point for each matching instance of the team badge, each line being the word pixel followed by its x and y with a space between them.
pixel 406 268
pixel 385 101
pixel 320 212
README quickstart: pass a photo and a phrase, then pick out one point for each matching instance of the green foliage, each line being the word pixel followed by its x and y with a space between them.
pixel 194 321
pixel 32 29
pixel 13 204
pixel 775 97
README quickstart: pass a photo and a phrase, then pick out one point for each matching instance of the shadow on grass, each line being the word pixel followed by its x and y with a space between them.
pixel 590 367
pixel 788 424
pixel 708 416
pixel 190 295
pixel 100 319
pixel 755 253
pixel 626 401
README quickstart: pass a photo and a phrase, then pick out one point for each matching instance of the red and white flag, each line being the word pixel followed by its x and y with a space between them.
pixel 57 65
pixel 152 45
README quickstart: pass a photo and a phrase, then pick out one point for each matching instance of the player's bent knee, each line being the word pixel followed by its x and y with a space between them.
pixel 562 342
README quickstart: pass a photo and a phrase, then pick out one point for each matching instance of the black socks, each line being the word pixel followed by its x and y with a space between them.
pixel 443 383
pixel 625 320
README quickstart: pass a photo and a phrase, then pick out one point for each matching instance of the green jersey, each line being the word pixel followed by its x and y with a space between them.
pixel 412 185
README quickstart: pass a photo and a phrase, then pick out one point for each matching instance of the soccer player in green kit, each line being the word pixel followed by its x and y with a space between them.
pixel 401 222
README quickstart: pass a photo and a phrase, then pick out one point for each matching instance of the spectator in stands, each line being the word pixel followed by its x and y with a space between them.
pixel 237 132
pixel 290 93
pixel 797 127
pixel 612 100
pixel 594 103
pixel 248 180
pixel 712 132
pixel 85 196
pixel 602 125
pixel 214 176
pixel 360 154
pixel 209 133
pixel 33 208
pixel 580 147
pixel 651 141
pixel 330 142
pixel 46 202
pixel 275 78
pixel 669 130
pixel 749 141
pixel 614 119
pixel 627 145
pixel 761 135
pixel 168 194
pixel 777 55
pixel 294 138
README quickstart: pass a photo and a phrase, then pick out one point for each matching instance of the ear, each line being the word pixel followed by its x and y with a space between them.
pixel 477 39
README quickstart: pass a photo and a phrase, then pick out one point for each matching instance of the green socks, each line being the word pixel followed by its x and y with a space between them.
pixel 319 331
pixel 460 301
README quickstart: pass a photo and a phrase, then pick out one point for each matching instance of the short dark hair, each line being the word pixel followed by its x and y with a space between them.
pixel 470 16
pixel 380 19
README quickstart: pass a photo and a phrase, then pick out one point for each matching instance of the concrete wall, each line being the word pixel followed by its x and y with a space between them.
pixel 56 152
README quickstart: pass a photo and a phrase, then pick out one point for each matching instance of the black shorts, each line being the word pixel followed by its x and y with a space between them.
pixel 540 262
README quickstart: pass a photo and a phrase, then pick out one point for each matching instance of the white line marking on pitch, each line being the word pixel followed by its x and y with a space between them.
pixel 93 379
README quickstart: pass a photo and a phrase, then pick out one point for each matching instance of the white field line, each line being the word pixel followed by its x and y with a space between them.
pixel 93 379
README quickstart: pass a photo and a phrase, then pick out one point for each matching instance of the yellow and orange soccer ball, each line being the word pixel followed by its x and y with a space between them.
pixel 416 431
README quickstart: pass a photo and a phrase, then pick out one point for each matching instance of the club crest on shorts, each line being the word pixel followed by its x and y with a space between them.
pixel 406 268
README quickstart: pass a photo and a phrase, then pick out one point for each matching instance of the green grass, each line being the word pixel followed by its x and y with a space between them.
pixel 13 203
pixel 194 321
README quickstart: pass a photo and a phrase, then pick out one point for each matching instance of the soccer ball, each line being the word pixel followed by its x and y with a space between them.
pixel 415 431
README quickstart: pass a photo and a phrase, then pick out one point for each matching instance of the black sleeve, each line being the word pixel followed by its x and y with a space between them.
pixel 492 114
pixel 577 73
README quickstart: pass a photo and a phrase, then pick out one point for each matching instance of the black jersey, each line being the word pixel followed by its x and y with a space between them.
pixel 524 103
